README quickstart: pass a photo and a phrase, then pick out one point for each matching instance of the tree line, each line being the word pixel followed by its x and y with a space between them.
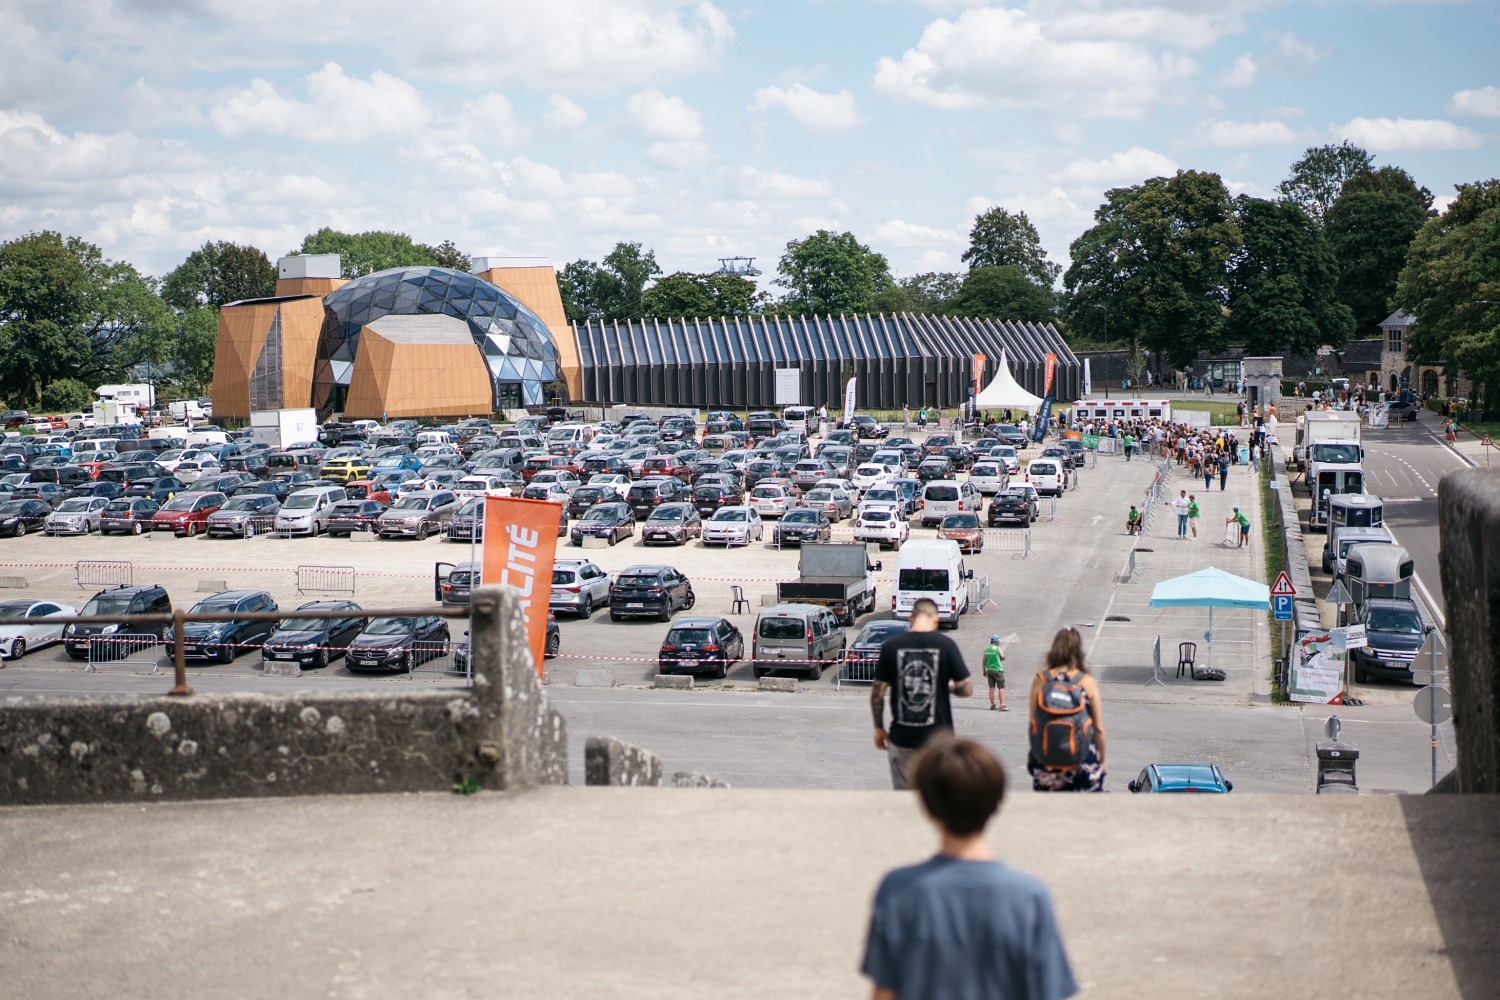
pixel 1172 265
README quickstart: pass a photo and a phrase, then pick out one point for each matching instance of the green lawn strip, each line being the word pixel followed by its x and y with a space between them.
pixel 1275 550
pixel 1223 414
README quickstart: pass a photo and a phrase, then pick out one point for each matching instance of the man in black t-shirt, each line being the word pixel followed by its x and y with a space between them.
pixel 920 668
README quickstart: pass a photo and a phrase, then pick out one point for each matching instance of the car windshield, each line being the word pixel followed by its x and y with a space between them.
pixel 923 579
pixel 879 632
pixel 171 456
pixel 342 509
pixel 410 503
pixel 212 604
pixel 730 514
pixel 820 496
pixel 301 501
pixel 877 516
pixel 942 494
pixel 889 496
pixel 1394 620
pixel 303 624
pixel 638 580
pixel 960 521
pixel 107 604
pixel 117 507
pixel 801 517
pixel 561 577
pixel 73 506
pixel 985 470
pixel 390 626
pixel 601 514
pixel 1336 454
pixel 683 636
pixel 782 628
pixel 180 502
pixel 672 513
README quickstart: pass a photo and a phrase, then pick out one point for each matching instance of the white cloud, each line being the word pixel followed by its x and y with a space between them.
pixel 774 184
pixel 812 109
pixel 1239 76
pixel 1243 135
pixel 339 108
pixel 685 154
pixel 1190 25
pixel 662 116
pixel 1481 103
pixel 899 232
pixel 997 58
pixel 1393 135
pixel 1128 167
pixel 565 114
pixel 491 118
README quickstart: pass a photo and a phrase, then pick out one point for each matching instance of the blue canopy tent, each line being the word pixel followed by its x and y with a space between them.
pixel 1211 588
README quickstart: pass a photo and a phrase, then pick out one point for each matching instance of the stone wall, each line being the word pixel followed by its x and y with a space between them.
pixel 1469 530
pixel 499 734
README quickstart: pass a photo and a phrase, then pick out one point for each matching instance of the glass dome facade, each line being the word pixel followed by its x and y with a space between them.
pixel 515 343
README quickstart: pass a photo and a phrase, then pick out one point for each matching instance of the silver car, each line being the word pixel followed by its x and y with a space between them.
pixel 831 501
pixel 415 515
pixel 75 516
pixel 578 587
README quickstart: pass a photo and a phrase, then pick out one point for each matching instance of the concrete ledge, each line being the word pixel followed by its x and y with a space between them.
pixel 281 668
pixel 586 677
pixel 768 600
pixel 692 779
pixel 212 586
pixel 14 582
pixel 607 761
pixel 362 536
pixel 1469 528
pixel 783 685
pixel 673 682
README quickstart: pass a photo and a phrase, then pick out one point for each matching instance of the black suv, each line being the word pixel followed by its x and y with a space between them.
pixel 146 599
pixel 701 645
pixel 222 641
pixel 312 642
pixel 649 592
pixel 1011 507
pixel 648 494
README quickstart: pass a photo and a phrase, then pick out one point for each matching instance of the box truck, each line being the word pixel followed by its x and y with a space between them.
pixel 283 428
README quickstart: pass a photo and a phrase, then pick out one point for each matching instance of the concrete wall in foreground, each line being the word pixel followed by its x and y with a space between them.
pixel 1469 529
pixel 499 734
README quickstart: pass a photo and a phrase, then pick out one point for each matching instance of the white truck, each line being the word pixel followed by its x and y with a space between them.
pixel 1318 425
pixel 137 394
pixel 109 413
pixel 283 428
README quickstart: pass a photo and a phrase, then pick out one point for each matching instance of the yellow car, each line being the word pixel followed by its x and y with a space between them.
pixel 345 469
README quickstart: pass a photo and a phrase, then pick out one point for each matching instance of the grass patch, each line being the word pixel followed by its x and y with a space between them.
pixel 1222 414
pixel 1275 553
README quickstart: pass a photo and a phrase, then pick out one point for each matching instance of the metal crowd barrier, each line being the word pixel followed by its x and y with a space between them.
pixel 103 573
pixel 433 658
pixel 854 670
pixel 124 649
pixel 1017 540
pixel 325 579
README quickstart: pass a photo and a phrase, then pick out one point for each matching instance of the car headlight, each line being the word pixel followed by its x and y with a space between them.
pixel 109 630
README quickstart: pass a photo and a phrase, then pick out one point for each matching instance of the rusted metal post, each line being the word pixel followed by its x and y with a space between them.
pixel 179 660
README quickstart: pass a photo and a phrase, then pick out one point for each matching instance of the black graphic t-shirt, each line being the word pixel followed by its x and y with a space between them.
pixel 917 667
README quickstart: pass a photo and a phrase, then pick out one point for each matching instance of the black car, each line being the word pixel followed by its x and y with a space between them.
pixel 1010 434
pixel 312 642
pixel 127 515
pixel 271 487
pixel 221 641
pixel 49 493
pixel 649 592
pixel 398 644
pixel 224 482
pixel 142 600
pixel 18 516
pixel 586 497
pixel 349 516
pixel 866 426
pixel 709 497
pixel 1012 507
pixel 127 473
pixel 106 489
pixel 960 455
pixel 672 524
pixel 934 468
pixel 614 521
pixel 802 524
pixel 646 495
pixel 160 489
pixel 701 646
pixel 761 469
pixel 864 651
pixel 253 464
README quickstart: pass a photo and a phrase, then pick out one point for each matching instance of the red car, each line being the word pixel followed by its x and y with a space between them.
pixel 666 465
pixel 542 463
pixel 965 529
pixel 186 513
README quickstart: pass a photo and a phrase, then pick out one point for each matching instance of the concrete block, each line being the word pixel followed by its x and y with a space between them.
pixel 592 542
pixel 212 586
pixel 607 761
pixel 593 678
pixel 14 582
pixel 281 668
pixel 362 536
pixel 1469 529
pixel 784 685
pixel 692 779
pixel 768 600
pixel 673 682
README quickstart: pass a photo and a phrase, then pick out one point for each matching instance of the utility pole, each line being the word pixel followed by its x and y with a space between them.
pixel 1107 376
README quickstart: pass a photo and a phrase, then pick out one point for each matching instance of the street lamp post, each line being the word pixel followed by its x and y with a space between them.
pixel 1105 310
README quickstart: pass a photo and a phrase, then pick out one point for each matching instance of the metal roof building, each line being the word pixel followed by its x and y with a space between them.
pixel 732 362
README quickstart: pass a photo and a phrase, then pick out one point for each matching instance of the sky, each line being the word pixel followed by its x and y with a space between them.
pixel 701 128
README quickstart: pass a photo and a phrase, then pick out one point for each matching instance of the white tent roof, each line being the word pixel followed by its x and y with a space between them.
pixel 1004 391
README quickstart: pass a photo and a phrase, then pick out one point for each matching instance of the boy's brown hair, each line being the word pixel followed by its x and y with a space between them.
pixel 960 782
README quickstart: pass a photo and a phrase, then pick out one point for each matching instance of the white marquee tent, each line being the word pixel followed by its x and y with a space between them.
pixel 1004 391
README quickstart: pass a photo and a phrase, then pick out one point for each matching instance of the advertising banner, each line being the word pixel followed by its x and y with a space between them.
pixel 849 388
pixel 520 544
pixel 1317 678
pixel 1043 419
pixel 1088 380
pixel 1051 371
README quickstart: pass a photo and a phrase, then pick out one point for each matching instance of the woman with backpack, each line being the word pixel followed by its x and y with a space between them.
pixel 1067 722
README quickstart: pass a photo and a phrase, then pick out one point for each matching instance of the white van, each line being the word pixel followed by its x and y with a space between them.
pixel 306 512
pixel 942 497
pixel 568 438
pixel 932 568
pixel 199 439
pixel 1046 476
pixel 433 437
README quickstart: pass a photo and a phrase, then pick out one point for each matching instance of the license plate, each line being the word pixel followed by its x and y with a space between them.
pixel 281 656
pixel 687 663
pixel 635 605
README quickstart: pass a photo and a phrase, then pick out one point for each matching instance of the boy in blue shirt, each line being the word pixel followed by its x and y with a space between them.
pixel 963 925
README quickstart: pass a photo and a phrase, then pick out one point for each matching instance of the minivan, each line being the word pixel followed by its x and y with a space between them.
pixel 932 568
pixel 801 637
pixel 1046 476
pixel 306 512
pixel 948 496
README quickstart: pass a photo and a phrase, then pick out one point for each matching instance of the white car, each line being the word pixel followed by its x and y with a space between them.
pixel 989 477
pixel 619 482
pixel 846 485
pixel 15 640
pixel 481 486
pixel 561 477
pixel 190 470
pixel 884 496
pixel 771 501
pixel 881 524
pixel 870 475
pixel 81 421
pixel 75 516
pixel 1007 454
pixel 737 525
pixel 942 497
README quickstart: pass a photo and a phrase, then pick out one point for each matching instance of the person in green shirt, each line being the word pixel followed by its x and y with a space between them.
pixel 1193 513
pixel 994 673
pixel 1129 446
pixel 1238 517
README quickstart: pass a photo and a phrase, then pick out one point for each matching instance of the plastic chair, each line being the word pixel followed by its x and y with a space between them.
pixel 739 606
pixel 1187 655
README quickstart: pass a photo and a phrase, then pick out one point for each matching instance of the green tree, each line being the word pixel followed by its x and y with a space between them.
pixel 218 273
pixel 610 290
pixel 1317 179
pixel 445 254
pixel 1282 282
pixel 1370 227
pixel 1451 284
pixel 923 294
pixel 65 395
pixel 193 359
pixel 1003 292
pixel 831 273
pixel 1152 265
pixel 702 296
pixel 365 253
pixel 999 238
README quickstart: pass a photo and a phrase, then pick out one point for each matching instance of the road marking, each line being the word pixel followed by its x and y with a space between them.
pixel 1420 478
pixel 1426 595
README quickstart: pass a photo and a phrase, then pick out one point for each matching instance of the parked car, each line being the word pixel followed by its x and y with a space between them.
pixel 586 497
pixel 1012 506
pixel 882 524
pixel 935 467
pixel 647 494
pixel 613 521
pixel 578 587
pixel 243 516
pixel 128 600
pixel 866 426
pixel 701 645
pixel 398 644
pixel 802 525
pixel 801 637
pixel 1177 778
pixel 221 641
pixel 830 501
pixel 349 516
pixel 1010 434
pixel 127 515
pixel 887 496
pixel 672 523
pixel 943 497
pixel 649 591
pixel 42 626
pixel 771 500
pixel 864 652
pixel 75 516
pixel 1006 455
pixel 965 529
pixel 186 513
pixel 416 514
pixel 455 588
pixel 739 525
pixel 989 477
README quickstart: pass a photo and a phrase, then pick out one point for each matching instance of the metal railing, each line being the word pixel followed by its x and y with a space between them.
pixel 1017 540
pixel 124 649
pixel 854 670
pixel 325 579
pixel 103 573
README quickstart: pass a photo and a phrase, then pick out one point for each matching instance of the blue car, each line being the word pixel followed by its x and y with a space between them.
pixel 1177 778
